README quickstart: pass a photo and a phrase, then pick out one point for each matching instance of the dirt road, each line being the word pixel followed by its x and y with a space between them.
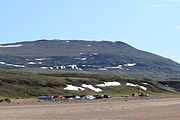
pixel 153 109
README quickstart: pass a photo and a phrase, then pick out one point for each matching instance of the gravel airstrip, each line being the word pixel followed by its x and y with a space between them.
pixel 118 109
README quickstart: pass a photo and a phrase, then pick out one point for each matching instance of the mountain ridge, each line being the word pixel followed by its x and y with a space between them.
pixel 97 56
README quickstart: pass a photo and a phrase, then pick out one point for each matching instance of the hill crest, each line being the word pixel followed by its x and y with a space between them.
pixel 94 56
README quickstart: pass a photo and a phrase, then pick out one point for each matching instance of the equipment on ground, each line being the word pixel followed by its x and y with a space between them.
pixel 140 94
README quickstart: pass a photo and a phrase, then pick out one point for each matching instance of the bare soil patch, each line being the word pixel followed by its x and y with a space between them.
pixel 144 109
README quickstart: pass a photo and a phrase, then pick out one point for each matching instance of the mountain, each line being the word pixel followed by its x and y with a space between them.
pixel 94 56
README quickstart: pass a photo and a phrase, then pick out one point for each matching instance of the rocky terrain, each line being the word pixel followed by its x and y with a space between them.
pixel 93 56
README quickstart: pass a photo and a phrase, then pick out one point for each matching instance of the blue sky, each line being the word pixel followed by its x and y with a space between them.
pixel 150 25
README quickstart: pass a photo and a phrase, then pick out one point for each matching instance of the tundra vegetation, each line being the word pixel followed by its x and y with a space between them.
pixel 25 84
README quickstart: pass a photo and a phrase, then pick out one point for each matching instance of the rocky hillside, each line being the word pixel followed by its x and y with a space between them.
pixel 94 56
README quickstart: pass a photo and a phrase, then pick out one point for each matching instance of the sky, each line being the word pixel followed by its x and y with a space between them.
pixel 149 25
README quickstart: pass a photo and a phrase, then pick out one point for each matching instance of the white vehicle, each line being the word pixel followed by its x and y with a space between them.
pixel 90 97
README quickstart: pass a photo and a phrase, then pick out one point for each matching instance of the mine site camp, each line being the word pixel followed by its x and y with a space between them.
pixel 89 60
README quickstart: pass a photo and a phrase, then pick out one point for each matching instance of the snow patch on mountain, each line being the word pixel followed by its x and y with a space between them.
pixel 131 84
pixel 13 65
pixel 73 66
pixel 71 87
pixel 109 84
pixel 41 59
pixel 83 59
pixel 135 85
pixel 63 67
pixel 92 88
pixel 130 64
pixel 10 46
pixel 145 83
pixel 51 68
pixel 142 87
pixel 31 63
pixel 103 69
pixel 95 53
pixel 117 67
pixel 3 63
pixel 44 67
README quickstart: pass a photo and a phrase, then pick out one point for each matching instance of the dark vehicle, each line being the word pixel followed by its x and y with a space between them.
pixel 102 96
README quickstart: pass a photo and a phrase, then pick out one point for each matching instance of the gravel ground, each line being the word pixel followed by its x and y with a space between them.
pixel 142 109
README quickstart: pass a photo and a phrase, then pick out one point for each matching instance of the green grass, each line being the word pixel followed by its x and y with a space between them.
pixel 24 84
pixel 3 97
pixel 164 94
pixel 122 90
